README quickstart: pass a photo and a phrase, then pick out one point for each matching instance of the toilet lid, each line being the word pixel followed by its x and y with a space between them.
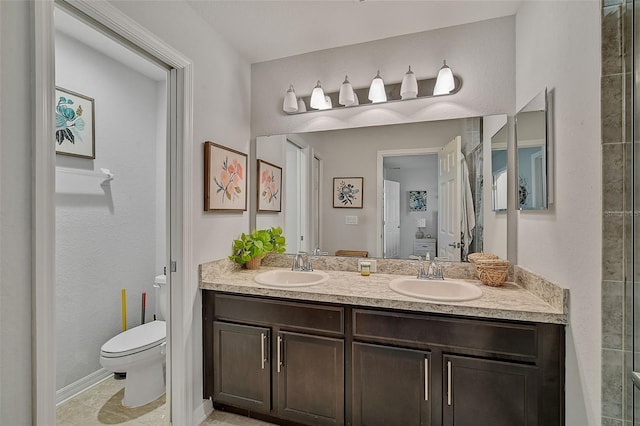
pixel 135 340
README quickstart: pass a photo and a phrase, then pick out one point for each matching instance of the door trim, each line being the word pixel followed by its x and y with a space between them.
pixel 380 185
pixel 183 282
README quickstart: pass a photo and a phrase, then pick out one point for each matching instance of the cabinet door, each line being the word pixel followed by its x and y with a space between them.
pixel 493 392
pixel 310 373
pixel 391 386
pixel 242 374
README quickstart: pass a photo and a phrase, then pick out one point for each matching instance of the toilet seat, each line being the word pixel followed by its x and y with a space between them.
pixel 134 340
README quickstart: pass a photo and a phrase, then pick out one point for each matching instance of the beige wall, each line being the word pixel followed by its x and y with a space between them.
pixel 558 47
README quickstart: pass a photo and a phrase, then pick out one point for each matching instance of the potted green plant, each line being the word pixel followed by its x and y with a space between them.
pixel 249 249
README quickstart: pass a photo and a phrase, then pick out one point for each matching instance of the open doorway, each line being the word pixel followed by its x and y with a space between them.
pixel 178 207
pixel 111 219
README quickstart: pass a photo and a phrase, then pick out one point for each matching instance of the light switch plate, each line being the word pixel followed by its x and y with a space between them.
pixel 351 220
pixel 373 262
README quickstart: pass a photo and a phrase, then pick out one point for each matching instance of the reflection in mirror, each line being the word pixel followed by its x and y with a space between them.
pixel 532 144
pixel 499 167
pixel 407 159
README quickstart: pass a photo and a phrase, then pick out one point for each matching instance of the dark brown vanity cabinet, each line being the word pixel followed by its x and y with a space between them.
pixel 242 358
pixel 318 364
pixel 311 379
pixel 505 392
pixel 391 386
pixel 281 359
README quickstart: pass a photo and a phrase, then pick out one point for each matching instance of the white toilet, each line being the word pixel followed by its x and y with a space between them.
pixel 140 352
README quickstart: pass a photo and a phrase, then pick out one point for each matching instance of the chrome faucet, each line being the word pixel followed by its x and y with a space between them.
pixel 422 275
pixel 435 270
pixel 302 262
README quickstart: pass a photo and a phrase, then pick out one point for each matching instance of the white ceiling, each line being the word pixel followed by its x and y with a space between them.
pixel 263 30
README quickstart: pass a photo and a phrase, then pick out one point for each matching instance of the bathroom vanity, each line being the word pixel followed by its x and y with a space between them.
pixel 351 351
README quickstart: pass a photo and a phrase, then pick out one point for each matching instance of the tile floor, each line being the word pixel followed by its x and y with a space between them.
pixel 102 405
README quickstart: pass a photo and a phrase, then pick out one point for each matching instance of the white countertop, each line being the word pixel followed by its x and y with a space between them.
pixel 509 301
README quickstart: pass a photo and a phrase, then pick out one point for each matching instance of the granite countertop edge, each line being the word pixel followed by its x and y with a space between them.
pixel 507 302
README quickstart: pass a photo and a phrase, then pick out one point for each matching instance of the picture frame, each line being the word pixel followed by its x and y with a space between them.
pixel 348 192
pixel 269 187
pixel 225 178
pixel 75 124
pixel 417 201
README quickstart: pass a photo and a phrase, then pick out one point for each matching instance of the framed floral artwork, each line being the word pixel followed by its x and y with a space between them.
pixel 75 132
pixel 225 178
pixel 269 187
pixel 417 201
pixel 347 192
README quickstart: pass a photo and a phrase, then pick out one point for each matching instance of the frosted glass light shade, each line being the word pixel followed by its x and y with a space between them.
pixel 376 90
pixel 347 96
pixel 356 101
pixel 444 82
pixel 409 86
pixel 290 104
pixel 327 103
pixel 302 107
pixel 317 97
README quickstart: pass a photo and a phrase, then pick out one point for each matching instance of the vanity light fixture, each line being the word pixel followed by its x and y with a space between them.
pixel 290 104
pixel 347 96
pixel 376 90
pixel 356 101
pixel 327 103
pixel 302 107
pixel 317 97
pixel 409 87
pixel 444 83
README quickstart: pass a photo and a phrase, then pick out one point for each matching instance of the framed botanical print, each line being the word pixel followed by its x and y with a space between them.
pixel 417 201
pixel 225 178
pixel 347 192
pixel 269 187
pixel 75 118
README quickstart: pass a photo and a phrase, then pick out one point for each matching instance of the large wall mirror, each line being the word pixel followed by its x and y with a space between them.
pixel 402 204
pixel 533 154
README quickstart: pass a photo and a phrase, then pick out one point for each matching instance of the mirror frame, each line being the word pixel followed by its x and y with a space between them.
pixel 504 128
pixel 538 103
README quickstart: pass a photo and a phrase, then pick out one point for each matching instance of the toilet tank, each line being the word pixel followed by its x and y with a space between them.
pixel 162 296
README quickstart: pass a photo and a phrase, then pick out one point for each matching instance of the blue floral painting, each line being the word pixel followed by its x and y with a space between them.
pixel 417 201
pixel 74 124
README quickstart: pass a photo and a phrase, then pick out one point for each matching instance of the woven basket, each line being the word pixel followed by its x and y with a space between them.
pixel 492 272
pixel 475 257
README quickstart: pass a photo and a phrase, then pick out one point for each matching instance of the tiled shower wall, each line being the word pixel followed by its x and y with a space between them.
pixel 617 321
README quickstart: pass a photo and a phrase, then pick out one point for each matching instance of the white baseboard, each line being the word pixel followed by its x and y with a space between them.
pixel 81 385
pixel 202 412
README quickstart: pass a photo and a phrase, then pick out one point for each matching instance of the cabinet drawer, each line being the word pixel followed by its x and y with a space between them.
pixel 493 337
pixel 424 246
pixel 250 310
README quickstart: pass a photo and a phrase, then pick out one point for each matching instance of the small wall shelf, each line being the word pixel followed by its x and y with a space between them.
pixel 425 90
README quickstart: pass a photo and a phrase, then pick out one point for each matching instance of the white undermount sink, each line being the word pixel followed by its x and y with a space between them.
pixel 287 278
pixel 448 290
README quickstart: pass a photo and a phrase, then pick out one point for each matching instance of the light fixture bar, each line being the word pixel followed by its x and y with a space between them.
pixel 425 90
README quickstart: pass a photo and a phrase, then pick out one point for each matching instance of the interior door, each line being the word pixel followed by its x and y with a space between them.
pixel 391 220
pixel 449 199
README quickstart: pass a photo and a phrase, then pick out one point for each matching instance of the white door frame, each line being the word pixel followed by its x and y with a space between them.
pixel 380 184
pixel 184 281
